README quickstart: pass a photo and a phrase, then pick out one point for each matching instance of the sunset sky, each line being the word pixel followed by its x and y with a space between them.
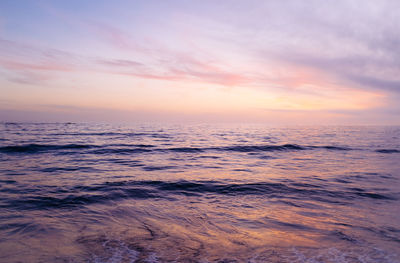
pixel 278 62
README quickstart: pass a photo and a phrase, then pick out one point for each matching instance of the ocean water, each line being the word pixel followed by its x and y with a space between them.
pixel 199 193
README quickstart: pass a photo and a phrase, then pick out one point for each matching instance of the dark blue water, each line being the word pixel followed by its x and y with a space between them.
pixel 198 193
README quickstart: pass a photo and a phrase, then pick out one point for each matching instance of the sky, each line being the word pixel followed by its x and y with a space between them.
pixel 266 61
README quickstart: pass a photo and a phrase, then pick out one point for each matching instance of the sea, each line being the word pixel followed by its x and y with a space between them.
pixel 86 192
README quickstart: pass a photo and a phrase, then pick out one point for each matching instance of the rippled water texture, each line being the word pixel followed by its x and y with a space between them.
pixel 199 193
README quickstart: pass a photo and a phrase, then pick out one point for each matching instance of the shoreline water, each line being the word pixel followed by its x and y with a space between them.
pixel 103 193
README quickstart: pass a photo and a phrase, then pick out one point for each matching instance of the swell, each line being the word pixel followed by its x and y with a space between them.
pixel 34 148
pixel 333 148
pixel 133 148
pixel 49 197
pixel 262 148
pixel 142 148
pixel 387 151
pixel 113 134
pixel 37 148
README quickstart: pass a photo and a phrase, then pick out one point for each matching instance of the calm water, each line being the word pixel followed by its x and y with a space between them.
pixel 199 193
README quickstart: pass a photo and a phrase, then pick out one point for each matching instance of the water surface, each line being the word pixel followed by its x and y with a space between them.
pixel 198 193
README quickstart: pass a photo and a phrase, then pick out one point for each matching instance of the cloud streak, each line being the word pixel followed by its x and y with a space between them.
pixel 168 65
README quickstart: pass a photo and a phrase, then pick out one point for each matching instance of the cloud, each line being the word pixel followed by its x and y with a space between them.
pixel 352 43
pixel 365 72
pixel 124 63
pixel 44 65
pixel 29 64
pixel 376 83
pixel 114 36
pixel 217 77
pixel 28 78
pixel 164 64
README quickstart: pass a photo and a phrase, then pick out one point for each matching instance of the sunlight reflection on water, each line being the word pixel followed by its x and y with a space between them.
pixel 200 193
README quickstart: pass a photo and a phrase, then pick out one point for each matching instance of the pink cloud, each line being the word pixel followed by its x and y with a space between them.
pixel 214 76
pixel 164 65
pixel 116 37
pixel 155 76
pixel 30 78
pixel 30 64
pixel 122 63
pixel 177 65
pixel 48 66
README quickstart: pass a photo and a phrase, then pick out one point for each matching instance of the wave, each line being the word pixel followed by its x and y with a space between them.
pixel 334 148
pixel 120 151
pixel 142 148
pixel 113 134
pixel 387 151
pixel 262 148
pixel 127 134
pixel 34 148
pixel 187 149
pixel 57 197
pixel 100 149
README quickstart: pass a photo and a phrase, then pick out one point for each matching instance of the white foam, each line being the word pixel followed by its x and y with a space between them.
pixel 120 253
pixel 152 258
pixel 335 255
